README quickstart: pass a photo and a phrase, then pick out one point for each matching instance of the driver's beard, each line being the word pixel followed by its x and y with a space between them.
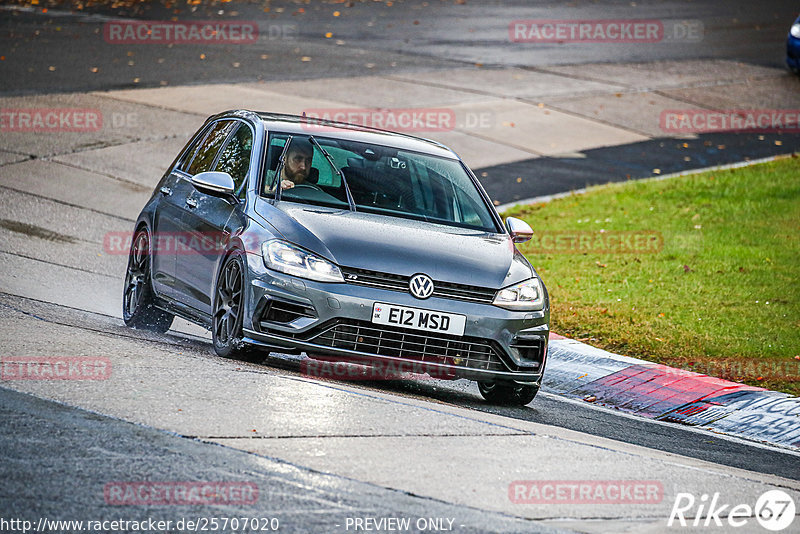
pixel 296 177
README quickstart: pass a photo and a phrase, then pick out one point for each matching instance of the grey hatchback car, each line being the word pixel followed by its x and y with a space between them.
pixel 289 234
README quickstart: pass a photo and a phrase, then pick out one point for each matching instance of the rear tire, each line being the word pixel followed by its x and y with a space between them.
pixel 138 298
pixel 228 313
pixel 508 393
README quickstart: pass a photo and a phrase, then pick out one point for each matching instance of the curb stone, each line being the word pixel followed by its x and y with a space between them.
pixel 655 391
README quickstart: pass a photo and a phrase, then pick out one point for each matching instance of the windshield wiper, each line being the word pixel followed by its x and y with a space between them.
pixel 350 200
pixel 279 170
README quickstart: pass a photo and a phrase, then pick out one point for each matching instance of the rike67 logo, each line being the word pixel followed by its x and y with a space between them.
pixel 774 511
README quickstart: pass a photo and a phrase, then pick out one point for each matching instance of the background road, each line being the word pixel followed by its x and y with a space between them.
pixel 444 45
pixel 564 116
pixel 368 37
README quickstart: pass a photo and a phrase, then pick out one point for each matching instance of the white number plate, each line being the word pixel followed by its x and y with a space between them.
pixel 426 320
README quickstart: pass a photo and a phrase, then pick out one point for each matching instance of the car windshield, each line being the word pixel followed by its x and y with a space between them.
pixel 381 179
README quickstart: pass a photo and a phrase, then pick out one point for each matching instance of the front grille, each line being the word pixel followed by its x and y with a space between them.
pixel 361 336
pixel 395 282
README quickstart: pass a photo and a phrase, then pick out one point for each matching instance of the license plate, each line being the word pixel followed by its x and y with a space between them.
pixel 418 319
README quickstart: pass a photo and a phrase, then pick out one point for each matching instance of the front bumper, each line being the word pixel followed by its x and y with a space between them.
pixel 334 319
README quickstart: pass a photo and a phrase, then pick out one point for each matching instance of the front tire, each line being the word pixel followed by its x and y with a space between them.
pixel 138 299
pixel 228 313
pixel 508 393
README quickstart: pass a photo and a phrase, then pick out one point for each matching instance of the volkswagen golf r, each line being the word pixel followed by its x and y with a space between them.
pixel 286 234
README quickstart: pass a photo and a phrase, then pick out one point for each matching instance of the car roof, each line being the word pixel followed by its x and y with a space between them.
pixel 295 124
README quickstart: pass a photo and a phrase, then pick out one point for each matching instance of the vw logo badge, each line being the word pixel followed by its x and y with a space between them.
pixel 421 286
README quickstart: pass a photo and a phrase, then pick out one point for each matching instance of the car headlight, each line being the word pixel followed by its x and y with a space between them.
pixel 289 259
pixel 525 296
pixel 795 31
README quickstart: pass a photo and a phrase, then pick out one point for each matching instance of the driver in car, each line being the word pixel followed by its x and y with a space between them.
pixel 297 165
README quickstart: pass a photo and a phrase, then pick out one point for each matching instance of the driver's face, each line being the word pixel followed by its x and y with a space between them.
pixel 297 167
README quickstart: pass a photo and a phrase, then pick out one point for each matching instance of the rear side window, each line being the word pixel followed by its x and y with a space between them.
pixel 207 152
pixel 187 156
pixel 235 158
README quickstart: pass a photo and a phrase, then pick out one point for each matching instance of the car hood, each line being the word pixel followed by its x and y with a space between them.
pixel 400 246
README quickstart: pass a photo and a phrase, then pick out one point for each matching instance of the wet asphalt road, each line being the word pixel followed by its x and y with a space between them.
pixel 64 50
pixel 93 451
pixel 374 39
pixel 546 409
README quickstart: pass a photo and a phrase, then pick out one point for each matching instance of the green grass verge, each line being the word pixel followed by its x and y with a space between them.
pixel 714 285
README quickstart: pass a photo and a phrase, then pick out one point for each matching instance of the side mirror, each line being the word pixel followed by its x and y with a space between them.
pixel 218 184
pixel 520 230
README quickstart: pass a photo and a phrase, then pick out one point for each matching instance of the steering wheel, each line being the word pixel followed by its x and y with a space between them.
pixel 311 186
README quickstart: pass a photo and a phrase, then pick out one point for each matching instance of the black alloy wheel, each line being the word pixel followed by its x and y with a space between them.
pixel 138 299
pixel 228 313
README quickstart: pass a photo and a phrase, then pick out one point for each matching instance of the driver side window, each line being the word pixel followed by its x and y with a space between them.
pixel 306 174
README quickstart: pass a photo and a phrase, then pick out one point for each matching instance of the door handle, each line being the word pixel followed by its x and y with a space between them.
pixel 192 203
pixel 166 191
